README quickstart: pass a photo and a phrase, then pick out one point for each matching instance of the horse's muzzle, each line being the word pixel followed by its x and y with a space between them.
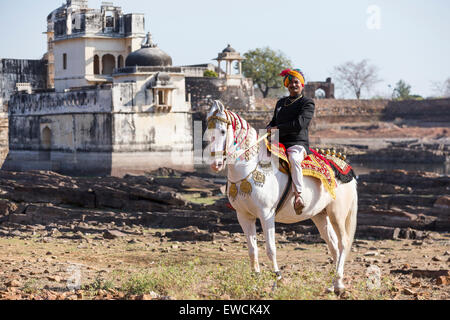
pixel 217 165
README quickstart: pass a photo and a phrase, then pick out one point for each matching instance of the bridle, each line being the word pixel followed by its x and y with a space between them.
pixel 212 125
pixel 238 140
pixel 235 154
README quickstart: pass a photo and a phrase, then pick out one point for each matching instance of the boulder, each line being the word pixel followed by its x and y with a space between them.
pixel 113 234
pixel 7 207
pixel 443 202
pixel 190 234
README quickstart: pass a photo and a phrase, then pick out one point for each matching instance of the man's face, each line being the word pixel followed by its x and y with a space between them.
pixel 295 87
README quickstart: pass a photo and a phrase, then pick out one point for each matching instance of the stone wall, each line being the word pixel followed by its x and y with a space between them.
pixel 89 132
pixel 328 111
pixel 345 108
pixel 67 132
pixel 81 132
pixel 430 110
pixel 333 111
pixel 75 120
pixel 203 91
pixel 13 71
pixel 80 101
pixel 434 112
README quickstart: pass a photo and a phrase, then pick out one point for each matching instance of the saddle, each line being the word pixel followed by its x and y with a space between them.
pixel 323 165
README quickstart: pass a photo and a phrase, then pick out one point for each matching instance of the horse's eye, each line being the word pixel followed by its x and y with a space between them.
pixel 223 132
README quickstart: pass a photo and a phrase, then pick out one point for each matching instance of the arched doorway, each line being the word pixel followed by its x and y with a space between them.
pixel 320 94
pixel 96 64
pixel 46 144
pixel 108 63
pixel 46 139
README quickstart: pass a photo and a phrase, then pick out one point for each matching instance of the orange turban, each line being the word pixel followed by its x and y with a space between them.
pixel 288 74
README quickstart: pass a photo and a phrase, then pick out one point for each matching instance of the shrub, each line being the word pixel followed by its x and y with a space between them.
pixel 210 74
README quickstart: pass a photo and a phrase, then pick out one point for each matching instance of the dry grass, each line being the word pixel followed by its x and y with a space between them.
pixel 194 270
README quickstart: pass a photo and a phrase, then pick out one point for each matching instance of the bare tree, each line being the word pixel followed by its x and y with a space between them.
pixel 441 89
pixel 354 77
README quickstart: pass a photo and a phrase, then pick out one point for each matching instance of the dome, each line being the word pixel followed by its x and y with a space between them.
pixel 228 49
pixel 163 77
pixel 51 17
pixel 148 56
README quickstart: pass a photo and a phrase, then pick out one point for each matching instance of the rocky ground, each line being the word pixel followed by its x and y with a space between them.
pixel 387 144
pixel 382 130
pixel 48 266
pixel 56 229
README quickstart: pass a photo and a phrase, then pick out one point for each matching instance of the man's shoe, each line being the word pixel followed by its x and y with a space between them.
pixel 299 205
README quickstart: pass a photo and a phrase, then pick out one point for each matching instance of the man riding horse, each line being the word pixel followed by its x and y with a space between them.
pixel 292 116
pixel 256 185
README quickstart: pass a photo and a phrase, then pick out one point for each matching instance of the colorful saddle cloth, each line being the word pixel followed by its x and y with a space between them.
pixel 279 151
pixel 342 170
pixel 314 165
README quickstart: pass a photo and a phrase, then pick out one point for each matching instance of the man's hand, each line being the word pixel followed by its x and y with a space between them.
pixel 272 129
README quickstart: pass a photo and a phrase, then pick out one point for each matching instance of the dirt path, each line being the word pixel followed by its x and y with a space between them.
pixel 145 264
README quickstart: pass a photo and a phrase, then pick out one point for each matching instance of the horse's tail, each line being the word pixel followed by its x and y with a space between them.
pixel 350 222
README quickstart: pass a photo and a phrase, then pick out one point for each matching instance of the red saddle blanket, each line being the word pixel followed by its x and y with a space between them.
pixel 314 165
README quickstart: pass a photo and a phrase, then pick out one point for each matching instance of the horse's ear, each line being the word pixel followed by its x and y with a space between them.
pixel 221 106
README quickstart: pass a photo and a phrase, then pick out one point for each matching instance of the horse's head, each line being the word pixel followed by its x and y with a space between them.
pixel 218 134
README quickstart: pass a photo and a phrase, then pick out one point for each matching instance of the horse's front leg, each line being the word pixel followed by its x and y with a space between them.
pixel 248 225
pixel 268 225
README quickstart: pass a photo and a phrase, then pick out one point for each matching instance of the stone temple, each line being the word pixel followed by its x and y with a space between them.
pixel 105 99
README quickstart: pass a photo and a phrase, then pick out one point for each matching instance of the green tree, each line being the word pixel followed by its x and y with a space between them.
pixel 402 91
pixel 210 74
pixel 264 65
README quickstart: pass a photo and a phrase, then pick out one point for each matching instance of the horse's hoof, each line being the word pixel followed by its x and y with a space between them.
pixel 278 275
pixel 329 290
pixel 339 290
pixel 336 288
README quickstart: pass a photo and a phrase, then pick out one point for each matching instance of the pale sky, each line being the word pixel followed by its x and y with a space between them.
pixel 406 39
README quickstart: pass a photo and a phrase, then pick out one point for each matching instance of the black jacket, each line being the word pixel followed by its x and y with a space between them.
pixel 293 121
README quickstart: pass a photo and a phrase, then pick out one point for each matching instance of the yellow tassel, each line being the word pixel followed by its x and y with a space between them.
pixel 232 193
pixel 246 188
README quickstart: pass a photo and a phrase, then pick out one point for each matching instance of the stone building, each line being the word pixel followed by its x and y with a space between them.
pixel 106 100
pixel 86 45
pixel 325 87
pixel 234 90
pixel 16 71
pixel 117 106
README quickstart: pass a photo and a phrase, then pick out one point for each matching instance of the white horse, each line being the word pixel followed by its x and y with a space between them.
pixel 259 196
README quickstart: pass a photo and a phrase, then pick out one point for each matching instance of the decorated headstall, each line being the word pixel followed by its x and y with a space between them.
pixel 240 133
pixel 214 118
pixel 212 122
